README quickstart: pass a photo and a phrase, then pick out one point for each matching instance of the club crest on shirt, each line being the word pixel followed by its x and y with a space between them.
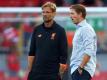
pixel 40 35
pixel 53 36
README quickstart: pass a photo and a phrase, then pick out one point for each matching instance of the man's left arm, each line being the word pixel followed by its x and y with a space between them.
pixel 85 60
pixel 89 43
pixel 63 51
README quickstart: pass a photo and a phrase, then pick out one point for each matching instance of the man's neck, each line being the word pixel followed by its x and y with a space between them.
pixel 81 19
pixel 48 24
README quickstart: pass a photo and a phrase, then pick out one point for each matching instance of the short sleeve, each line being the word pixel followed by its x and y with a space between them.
pixel 63 47
pixel 32 44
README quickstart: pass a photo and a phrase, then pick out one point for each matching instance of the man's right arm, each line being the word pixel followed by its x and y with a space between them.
pixel 32 51
pixel 30 61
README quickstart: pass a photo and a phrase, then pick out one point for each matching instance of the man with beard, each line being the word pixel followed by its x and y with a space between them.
pixel 48 49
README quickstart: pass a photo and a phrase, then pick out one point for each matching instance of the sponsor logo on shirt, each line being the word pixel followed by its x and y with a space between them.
pixel 40 35
pixel 53 36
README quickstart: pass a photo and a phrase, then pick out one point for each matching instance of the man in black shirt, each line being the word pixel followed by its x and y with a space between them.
pixel 48 49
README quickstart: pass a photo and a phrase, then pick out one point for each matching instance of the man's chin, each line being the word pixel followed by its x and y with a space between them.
pixel 47 21
pixel 75 22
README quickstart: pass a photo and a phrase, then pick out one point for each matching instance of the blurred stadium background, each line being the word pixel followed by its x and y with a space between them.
pixel 19 17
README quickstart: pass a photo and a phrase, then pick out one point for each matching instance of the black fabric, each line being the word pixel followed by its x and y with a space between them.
pixel 44 77
pixel 49 46
pixel 84 76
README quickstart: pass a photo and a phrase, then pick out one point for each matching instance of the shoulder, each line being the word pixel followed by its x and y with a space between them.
pixel 88 31
pixel 86 28
pixel 59 28
pixel 37 27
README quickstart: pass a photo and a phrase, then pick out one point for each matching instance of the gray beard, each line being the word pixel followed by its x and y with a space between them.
pixel 47 21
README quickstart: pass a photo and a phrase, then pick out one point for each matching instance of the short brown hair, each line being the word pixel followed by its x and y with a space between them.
pixel 51 5
pixel 79 8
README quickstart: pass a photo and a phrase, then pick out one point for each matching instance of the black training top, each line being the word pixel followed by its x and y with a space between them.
pixel 49 46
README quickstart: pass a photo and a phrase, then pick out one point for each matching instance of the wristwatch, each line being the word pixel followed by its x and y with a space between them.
pixel 80 68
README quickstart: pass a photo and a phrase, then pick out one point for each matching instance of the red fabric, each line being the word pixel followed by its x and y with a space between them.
pixel 70 38
pixel 16 3
pixel 101 76
pixel 6 43
pixel 2 75
pixel 11 34
pixel 13 78
pixel 27 28
pixel 13 62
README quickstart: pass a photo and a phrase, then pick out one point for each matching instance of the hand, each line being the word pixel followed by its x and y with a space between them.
pixel 80 70
pixel 63 68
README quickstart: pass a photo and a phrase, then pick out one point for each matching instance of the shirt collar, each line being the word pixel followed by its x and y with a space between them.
pixel 81 23
pixel 49 27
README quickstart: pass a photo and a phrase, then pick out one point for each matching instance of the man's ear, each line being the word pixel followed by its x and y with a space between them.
pixel 54 13
pixel 80 14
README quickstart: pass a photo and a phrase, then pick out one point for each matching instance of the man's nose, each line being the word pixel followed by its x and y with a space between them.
pixel 70 15
pixel 44 13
